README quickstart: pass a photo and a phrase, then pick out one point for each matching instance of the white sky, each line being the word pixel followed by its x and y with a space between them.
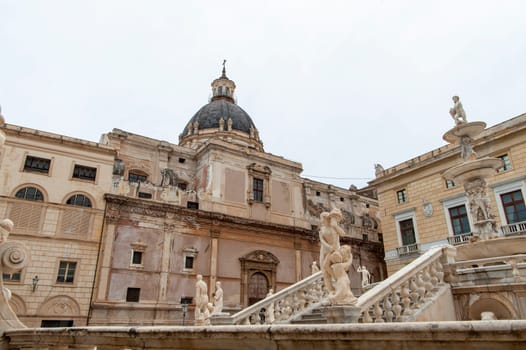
pixel 335 85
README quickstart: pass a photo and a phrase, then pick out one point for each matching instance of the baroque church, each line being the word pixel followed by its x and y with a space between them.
pixel 118 230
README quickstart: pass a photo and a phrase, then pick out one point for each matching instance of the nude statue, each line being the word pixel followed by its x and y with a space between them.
pixel 339 262
pixel 218 298
pixel 201 301
pixel 314 267
pixel 457 111
pixel 6 226
pixel 467 151
pixel 366 276
pixel 330 233
pixel 269 312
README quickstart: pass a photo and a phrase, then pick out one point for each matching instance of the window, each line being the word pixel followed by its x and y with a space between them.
pixel 341 199
pixel 513 205
pixel 84 172
pixel 136 257
pixel 182 186
pixel 459 220
pixel 136 177
pixel 182 160
pixel 189 262
pixel 66 272
pixel 79 200
pixel 11 277
pixel 318 193
pixel 40 165
pixel 507 163
pixel 258 189
pixel 407 231
pixel 30 193
pixel 133 294
pixel 192 205
pixel 450 183
pixel 402 196
pixel 144 195
pixel 187 300
pixel 56 323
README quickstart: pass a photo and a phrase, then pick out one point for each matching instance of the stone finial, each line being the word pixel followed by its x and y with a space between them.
pixel 229 123
pixel 378 169
pixel 221 124
pixel 457 111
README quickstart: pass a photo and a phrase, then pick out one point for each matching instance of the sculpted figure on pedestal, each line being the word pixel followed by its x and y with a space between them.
pixel 218 298
pixel 366 276
pixel 467 151
pixel 479 202
pixel 202 312
pixel 457 111
pixel 330 233
pixel 314 268
pixel 269 312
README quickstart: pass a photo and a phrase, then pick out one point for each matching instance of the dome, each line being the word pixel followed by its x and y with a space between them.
pixel 209 116
pixel 221 118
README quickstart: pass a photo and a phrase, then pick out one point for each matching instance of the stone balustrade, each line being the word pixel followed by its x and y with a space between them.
pixel 283 306
pixel 459 239
pixel 495 270
pixel 518 228
pixel 409 249
pixel 401 296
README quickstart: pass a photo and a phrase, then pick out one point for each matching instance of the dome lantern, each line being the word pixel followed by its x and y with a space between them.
pixel 223 88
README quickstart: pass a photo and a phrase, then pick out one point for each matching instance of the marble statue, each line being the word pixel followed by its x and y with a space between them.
pixel 366 276
pixel 314 267
pixel 202 312
pixel 218 299
pixel 269 312
pixel 457 111
pixel 479 202
pixel 335 260
pixel 6 226
pixel 467 151
pixel 339 262
pixel 168 177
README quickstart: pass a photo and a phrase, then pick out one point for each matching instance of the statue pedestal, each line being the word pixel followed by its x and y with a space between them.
pixel 341 314
pixel 221 318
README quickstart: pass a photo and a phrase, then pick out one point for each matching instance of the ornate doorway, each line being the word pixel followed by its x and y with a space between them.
pixel 258 275
pixel 257 288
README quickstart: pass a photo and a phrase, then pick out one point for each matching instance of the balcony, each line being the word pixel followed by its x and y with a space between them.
pixel 408 250
pixel 518 228
pixel 459 239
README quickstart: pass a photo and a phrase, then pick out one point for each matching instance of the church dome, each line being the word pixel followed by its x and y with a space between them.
pixel 221 118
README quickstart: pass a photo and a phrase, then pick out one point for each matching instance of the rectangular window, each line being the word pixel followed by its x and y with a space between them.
pixel 459 220
pixel 66 272
pixel 513 205
pixel 189 262
pixel 84 172
pixel 13 277
pixel 407 230
pixel 134 177
pixel 56 323
pixel 192 205
pixel 507 163
pixel 144 195
pixel 181 186
pixel 450 184
pixel 258 189
pixel 136 257
pixel 40 165
pixel 133 294
pixel 401 196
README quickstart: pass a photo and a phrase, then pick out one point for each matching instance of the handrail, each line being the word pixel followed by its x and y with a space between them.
pixel 285 305
pixel 401 295
pixel 517 228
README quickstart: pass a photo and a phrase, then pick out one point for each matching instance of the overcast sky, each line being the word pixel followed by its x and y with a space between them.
pixel 334 85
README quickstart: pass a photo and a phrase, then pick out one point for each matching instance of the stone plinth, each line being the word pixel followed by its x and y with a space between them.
pixel 487 249
pixel 341 314
pixel 466 129
pixel 479 168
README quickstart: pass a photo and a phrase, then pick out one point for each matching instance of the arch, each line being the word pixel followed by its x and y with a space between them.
pixel 499 305
pixel 18 305
pixel 60 305
pixel 259 263
pixel 31 192
pixel 80 199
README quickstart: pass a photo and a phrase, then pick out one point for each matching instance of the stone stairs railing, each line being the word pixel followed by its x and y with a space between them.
pixel 400 297
pixel 283 306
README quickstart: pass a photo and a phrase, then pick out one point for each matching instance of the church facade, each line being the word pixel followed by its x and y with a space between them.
pixel 214 204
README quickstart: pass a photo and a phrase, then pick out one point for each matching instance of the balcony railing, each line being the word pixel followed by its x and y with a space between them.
pixel 410 249
pixel 518 228
pixel 459 239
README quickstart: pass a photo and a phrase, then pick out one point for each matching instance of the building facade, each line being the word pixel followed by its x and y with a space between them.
pixel 214 204
pixel 420 208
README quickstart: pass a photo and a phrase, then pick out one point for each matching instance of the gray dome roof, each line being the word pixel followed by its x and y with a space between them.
pixel 208 116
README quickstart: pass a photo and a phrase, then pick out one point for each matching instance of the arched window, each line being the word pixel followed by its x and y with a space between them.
pixel 80 200
pixel 30 193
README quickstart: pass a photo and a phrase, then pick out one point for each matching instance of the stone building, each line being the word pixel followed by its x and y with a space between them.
pixel 420 208
pixel 52 188
pixel 214 204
